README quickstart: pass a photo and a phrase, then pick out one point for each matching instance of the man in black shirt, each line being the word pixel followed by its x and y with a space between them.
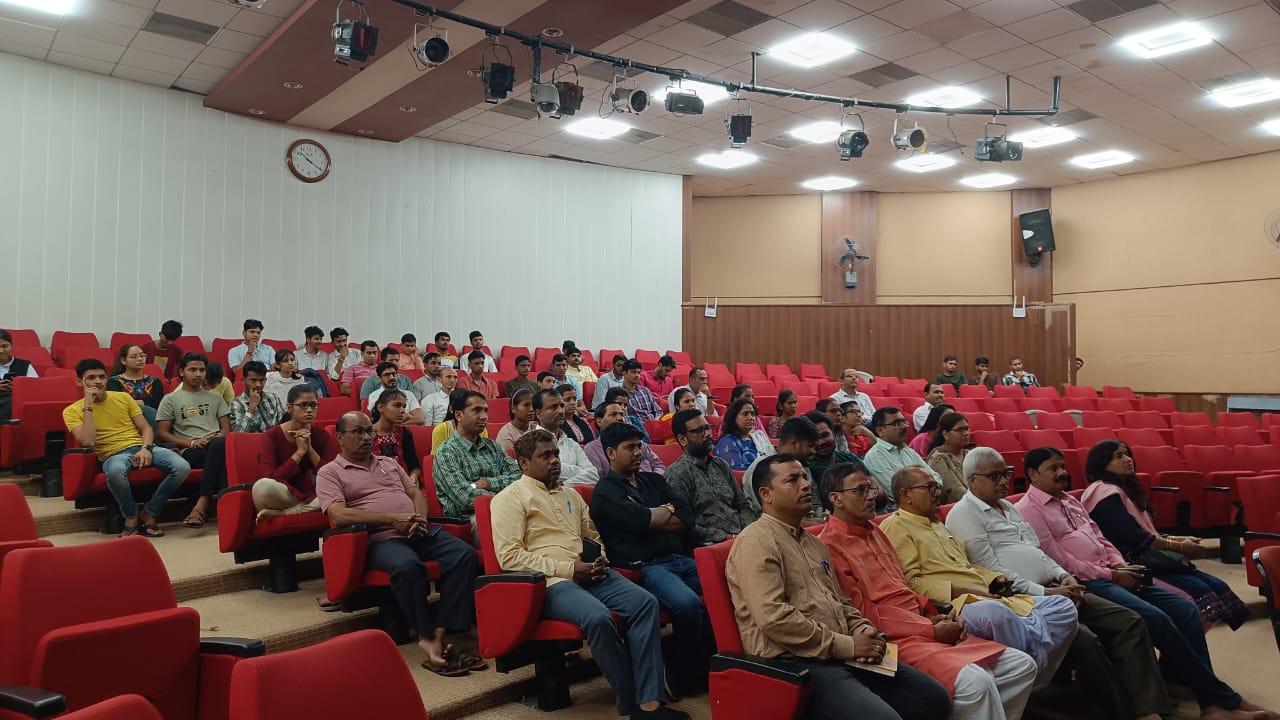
pixel 641 520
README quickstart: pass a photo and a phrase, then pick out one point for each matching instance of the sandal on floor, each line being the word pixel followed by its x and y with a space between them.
pixel 150 530
pixel 467 659
pixel 449 669
pixel 195 519
pixel 130 530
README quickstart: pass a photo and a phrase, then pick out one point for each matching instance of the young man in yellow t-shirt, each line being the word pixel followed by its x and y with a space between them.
pixel 112 424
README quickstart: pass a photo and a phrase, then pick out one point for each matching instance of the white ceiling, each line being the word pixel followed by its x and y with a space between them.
pixel 1158 110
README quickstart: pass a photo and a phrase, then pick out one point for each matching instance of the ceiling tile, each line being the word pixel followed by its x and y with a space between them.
pixel 985 43
pixel 896 47
pixel 236 41
pixel 144 4
pixel 87 47
pixel 1151 18
pixel 29 16
pixel 205 73
pixel 953 27
pixel 134 57
pixel 1076 41
pixel 1003 12
pixel 910 13
pixel 1017 58
pixel 12 31
pixel 821 15
pixel 254 23
pixel 725 52
pixel 107 11
pixel 34 52
pixel 196 86
pixel 1047 25
pixel 728 17
pixel 869 5
pixel 280 8
pixel 685 37
pixel 172 47
pixel 1199 9
pixel 221 58
pixel 104 31
pixel 101 67
pixel 205 11
pixel 142 75
pixel 930 61
pixel 962 74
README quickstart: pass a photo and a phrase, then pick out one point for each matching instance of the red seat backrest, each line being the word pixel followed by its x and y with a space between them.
pixel 682 358
pixel 434 506
pixel 1238 419
pixel 1261 497
pixel 1087 437
pixel 1043 392
pixel 1141 437
pixel 542 358
pixel 1144 419
pixel 1115 404
pixel 1072 402
pixel 65 339
pixel 119 339
pixel 195 344
pixel 1004 404
pixel 282 685
pixel 1009 391
pixel 24 337
pixel 999 440
pixel 245 458
pixel 1013 421
pixel 1190 419
pixel 1184 435
pixel 1210 458
pixel 1260 458
pixel 1160 404
pixel 979 392
pixel 1232 435
pixel 1118 391
pixel 332 408
pixel 1157 458
pixel 711 560
pixel 648 358
pixel 1042 404
pixel 1056 421
pixel 813 371
pixel 1100 418
pixel 484 526
pixel 1041 438
pixel 980 421
pixel 964 405
pixel 120 707
pixel 667 453
pixel 1080 391
pixel 16 522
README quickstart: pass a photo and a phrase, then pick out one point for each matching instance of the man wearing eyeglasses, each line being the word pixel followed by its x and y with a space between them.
pixel 388 375
pixel 935 565
pixel 1112 653
pixel 706 483
pixel 986 679
pixel 891 454
pixel 359 487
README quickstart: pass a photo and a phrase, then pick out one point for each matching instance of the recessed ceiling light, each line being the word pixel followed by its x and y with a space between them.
pixel 257 111
pixel 1043 137
pixel 1167 40
pixel 926 163
pixel 408 108
pixel 1248 93
pixel 811 50
pixel 1272 126
pixel 947 97
pixel 728 159
pixel 57 7
pixel 1106 158
pixel 597 128
pixel 817 132
pixel 365 131
pixel 552 32
pixel 708 93
pixel 830 182
pixel 293 84
pixel 989 180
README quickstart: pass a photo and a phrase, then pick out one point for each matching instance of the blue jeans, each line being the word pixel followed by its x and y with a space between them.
pixel 673 580
pixel 634 670
pixel 1174 624
pixel 149 414
pixel 117 469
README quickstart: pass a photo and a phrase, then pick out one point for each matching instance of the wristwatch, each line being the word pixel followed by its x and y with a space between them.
pixel 148 448
pixel 473 486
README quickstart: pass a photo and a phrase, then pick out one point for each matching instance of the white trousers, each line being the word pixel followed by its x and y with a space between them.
pixel 994 690
pixel 271 494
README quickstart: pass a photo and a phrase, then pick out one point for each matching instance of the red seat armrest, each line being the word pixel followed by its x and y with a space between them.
pixel 457 527
pixel 236 515
pixel 343 556
pixel 508 607
pixel 748 686
pixel 218 658
pixel 79 465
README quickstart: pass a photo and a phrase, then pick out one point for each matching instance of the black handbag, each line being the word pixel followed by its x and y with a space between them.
pixel 1166 562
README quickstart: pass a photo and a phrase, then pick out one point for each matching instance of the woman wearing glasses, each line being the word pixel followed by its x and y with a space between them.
pixel 127 376
pixel 296 450
pixel 946 454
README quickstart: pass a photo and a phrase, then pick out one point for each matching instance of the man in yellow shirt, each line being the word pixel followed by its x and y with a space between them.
pixel 539 525
pixel 112 424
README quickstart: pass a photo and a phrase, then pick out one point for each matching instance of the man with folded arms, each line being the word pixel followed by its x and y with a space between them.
pixel 539 526
pixel 1112 652
pixel 789 606
pixel 935 565
pixel 987 680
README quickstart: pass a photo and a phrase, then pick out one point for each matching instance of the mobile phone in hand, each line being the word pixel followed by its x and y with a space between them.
pixel 590 550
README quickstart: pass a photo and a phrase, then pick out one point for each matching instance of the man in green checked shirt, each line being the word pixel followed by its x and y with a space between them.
pixel 468 465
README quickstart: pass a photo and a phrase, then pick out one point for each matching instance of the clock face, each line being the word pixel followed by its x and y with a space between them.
pixel 308 161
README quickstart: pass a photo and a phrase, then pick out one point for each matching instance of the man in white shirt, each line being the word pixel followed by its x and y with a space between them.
pixel 343 355
pixel 698 385
pixel 932 396
pixel 477 343
pixel 575 468
pixel 608 380
pixel 251 349
pixel 891 453
pixel 1112 653
pixel 435 405
pixel 387 377
pixel 311 357
pixel 849 392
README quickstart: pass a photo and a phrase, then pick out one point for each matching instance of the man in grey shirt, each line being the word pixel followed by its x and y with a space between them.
pixel 706 483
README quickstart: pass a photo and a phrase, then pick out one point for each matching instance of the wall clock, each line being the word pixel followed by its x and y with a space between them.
pixel 308 160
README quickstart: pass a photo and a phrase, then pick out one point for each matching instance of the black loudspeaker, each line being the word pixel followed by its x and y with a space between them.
pixel 1037 234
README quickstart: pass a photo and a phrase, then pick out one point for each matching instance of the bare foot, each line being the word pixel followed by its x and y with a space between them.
pixel 1250 707
pixel 434 650
pixel 267 514
pixel 1219 713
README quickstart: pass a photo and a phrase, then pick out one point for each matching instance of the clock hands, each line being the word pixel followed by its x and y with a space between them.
pixel 304 157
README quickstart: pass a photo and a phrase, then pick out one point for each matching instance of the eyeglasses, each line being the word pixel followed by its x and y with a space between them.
pixel 932 488
pixel 388 375
pixel 901 422
pixel 307 405
pixel 997 475
pixel 698 430
pixel 863 490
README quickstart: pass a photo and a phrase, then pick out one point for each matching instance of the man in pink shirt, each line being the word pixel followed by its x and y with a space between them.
pixel 360 488
pixel 659 380
pixel 1069 536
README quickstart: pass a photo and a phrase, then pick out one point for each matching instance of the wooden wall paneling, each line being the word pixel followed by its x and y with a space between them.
pixel 1036 283
pixel 850 214
pixel 902 340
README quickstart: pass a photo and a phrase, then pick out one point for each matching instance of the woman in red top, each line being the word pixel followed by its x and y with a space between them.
pixel 390 439
pixel 296 450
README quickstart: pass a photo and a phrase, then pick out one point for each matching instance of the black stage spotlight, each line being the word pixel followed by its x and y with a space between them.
pixel 353 40
pixel 996 148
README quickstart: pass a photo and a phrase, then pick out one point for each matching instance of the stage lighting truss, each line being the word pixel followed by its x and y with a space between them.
pixel 353 40
pixel 852 140
pixel 429 46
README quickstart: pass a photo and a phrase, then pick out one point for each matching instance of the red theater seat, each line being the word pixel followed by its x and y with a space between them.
pixel 1144 419
pixel 36 407
pixel 1080 391
pixel 279 539
pixel 668 453
pixel 682 358
pixel 1004 404
pixel 1062 422
pixel 1262 459
pixel 1043 392
pixel 365 671
pixel 119 339
pixel 977 392
pixel 68 613
pixel 1238 419
pixel 1073 402
pixel 1190 419
pixel 1162 404
pixel 84 482
pixel 24 337
pixel 741 685
pixel 17 527
pixel 1013 421
pixel 1141 437
pixel 1184 435
pixel 1087 437
pixel 1031 439
pixel 1261 497
pixel 1232 435
pixel 813 371
pixel 1116 404
pixel 1118 391
pixel 63 341
pixel 1043 404
pixel 1009 391
pixel 1218 464
pixel 1101 419
pixel 1267 562
pixel 1178 494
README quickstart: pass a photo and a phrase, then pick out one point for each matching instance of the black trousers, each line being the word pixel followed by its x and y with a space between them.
pixel 402 558
pixel 841 692
pixel 212 459
pixel 1115 661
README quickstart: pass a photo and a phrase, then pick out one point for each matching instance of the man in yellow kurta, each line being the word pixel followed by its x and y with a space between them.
pixel 935 565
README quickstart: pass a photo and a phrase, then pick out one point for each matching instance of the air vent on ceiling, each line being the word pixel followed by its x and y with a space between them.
pixel 882 75
pixel 1275 5
pixel 785 142
pixel 1067 117
pixel 938 145
pixel 637 136
pixel 950 28
pixel 180 28
pixel 1239 78
pixel 728 18
pixel 516 108
pixel 1096 11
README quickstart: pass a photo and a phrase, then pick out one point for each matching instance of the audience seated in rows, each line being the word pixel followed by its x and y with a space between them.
pixel 890 453
pixel 946 454
pixel 797 438
pixel 283 376
pixel 608 380
pixel 311 356
pixel 163 352
pixel 390 438
pixel 924 438
pixel 985 678
pixel 701 392
pixel 934 562
pixel 1019 376
pixel 1069 536
pixel 549 412
pixel 575 424
pixel 476 338
pixel 251 349
pixel 128 376
pixel 469 464
pixel 112 424
pixel 362 487
pixel 1112 654
pixel 256 410
pixel 197 421
pixel 343 357
pixel 789 606
pixel 532 533
pixel 389 378
pixel 521 419
pixel 706 482
pixel 982 374
pixel 741 443
pixel 659 380
pixel 474 379
pixel 849 392
pixel 951 375
pixel 933 397
pixel 607 414
pixel 642 521
pixel 375 380
pixel 361 371
pixel 825 453
pixel 295 451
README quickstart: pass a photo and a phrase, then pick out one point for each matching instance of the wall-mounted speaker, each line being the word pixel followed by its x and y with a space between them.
pixel 1037 234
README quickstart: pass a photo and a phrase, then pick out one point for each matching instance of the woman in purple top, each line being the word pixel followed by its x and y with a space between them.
pixel 740 442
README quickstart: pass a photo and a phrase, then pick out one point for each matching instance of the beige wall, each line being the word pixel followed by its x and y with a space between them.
pixel 943 248
pixel 757 250
pixel 1176 288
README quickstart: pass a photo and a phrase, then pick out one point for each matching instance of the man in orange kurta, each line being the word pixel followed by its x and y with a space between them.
pixel 988 681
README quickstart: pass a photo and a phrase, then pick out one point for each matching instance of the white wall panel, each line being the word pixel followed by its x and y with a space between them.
pixel 124 205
